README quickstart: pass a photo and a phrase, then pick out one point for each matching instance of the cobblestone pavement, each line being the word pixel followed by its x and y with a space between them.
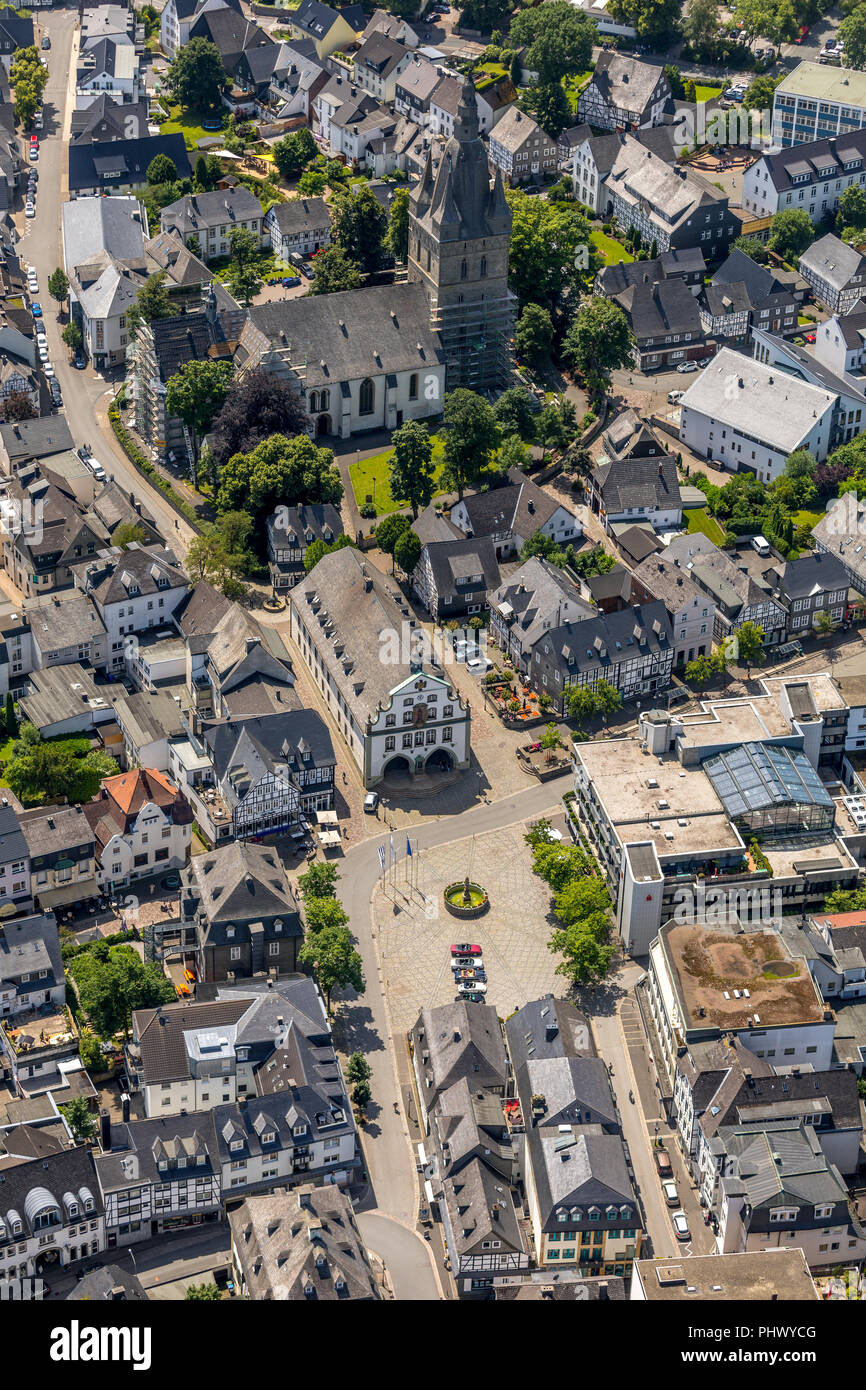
pixel 415 931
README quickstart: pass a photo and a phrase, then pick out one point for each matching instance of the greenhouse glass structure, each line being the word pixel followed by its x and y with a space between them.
pixel 767 789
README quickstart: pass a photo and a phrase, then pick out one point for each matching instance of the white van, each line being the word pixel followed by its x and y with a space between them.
pixel 762 546
pixel 96 468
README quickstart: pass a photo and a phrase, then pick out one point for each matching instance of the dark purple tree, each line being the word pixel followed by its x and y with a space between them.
pixel 257 406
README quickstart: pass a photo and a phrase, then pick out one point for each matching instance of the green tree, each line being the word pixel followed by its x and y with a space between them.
pixel 360 224
pixel 559 39
pixel 358 1068
pixel 586 955
pixel 655 20
pixel 750 645
pixel 317 549
pixel 196 392
pixel 514 412
pixel 197 78
pixel 825 623
pixel 28 76
pixel 607 698
pixel 751 247
pixel 293 153
pixel 330 954
pixel 397 236
pixel 407 551
pixel 220 553
pixel 389 531
pixel 598 341
pixel 513 453
pixel 515 72
pixel 361 1094
pixel 278 471
pixel 550 429
pixel 471 435
pixel 674 77
pixel 334 271
pixel 319 881
pixel 40 772
pixel 700 671
pixel 845 900
pixel 580 703
pixel 550 251
pixel 852 32
pixel 791 232
pixel 312 183
pixel 548 104
pixel 208 171
pixel 127 532
pixel 71 336
pixel 152 303
pixel 77 1115
pixel 202 1293
pixel 852 203
pixel 411 466
pixel 10 718
pixel 533 337
pixel 58 285
pixel 800 464
pixel 549 740
pixel 243 276
pixel 760 92
pixel 112 982
pixel 161 169
pixel 89 1050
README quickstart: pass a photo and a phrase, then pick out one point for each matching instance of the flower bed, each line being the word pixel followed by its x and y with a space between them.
pixel 454 896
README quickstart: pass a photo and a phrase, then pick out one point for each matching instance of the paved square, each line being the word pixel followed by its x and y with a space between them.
pixel 414 943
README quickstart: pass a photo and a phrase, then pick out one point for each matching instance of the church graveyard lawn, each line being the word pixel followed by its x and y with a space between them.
pixel 612 251
pixel 371 475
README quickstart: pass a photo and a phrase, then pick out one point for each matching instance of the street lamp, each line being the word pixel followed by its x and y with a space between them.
pixel 132 1257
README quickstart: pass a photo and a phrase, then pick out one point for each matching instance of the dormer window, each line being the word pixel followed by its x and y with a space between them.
pixel 269 1137
pixel 236 1144
pixel 299 1130
pixel 163 1165
pixel 199 1160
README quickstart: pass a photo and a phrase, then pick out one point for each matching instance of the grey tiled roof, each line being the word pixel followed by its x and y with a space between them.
pixel 302 1246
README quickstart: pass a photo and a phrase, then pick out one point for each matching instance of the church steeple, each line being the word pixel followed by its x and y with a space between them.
pixel 466 119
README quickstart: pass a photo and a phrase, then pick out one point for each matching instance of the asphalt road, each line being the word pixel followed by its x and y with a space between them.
pixel 86 395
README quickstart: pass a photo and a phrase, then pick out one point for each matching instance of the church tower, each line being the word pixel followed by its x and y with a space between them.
pixel 459 233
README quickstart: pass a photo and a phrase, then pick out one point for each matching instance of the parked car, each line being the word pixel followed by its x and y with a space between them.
pixel 761 545
pixel 78 361
pixel 34 139
pixel 472 987
pixel 34 154
pixel 681 1226
pixel 464 962
pixel 810 337
pixel 469 974
pixel 38 121
pixel 36 309
pixel 291 281
pixel 48 369
pixel 803 34
pixel 42 349
pixel 475 997
pixel 371 802
pixel 29 210
pixel 671 1195
pixel 479 665
pixel 663 1162
pixel 674 397
pixel 464 950
pixel 46 42
pixel 56 394
pixel 687 367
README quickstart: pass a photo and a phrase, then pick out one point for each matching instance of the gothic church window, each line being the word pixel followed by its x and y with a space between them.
pixel 366 396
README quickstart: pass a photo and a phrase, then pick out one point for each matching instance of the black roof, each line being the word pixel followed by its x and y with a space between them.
pixel 654 311
pixel 89 164
pixel 799 578
pixel 453 561
pixel 299 737
pixel 813 157
pixel 178 340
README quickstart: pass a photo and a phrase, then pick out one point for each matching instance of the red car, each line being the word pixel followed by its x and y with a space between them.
pixel 464 950
pixel 804 33
pixel 34 139
pixel 810 337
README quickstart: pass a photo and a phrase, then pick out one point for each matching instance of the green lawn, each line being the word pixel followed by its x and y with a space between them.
pixel 706 93
pixel 699 519
pixel 574 85
pixel 804 518
pixel 370 476
pixel 612 251
pixel 188 123
pixel 492 73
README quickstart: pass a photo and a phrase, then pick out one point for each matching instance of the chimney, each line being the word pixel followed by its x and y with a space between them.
pixel 105 1130
pixel 124 1107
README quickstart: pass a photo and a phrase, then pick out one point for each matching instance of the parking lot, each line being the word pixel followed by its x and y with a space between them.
pixel 415 930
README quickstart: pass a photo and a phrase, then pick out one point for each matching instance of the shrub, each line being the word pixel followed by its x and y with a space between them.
pixel 144 465
pixel 368 510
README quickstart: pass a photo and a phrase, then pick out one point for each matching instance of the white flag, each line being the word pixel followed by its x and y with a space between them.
pixel 382 858
pixel 393 851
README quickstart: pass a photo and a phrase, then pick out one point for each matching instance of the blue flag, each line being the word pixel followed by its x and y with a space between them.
pixel 408 847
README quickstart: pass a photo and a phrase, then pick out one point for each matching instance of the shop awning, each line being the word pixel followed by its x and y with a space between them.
pixel 329 838
pixel 326 817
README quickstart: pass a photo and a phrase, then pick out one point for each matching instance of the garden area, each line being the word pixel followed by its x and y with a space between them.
pixel 699 519
pixel 612 251
pixel 574 84
pixel 516 704
pixel 371 478
pixel 189 125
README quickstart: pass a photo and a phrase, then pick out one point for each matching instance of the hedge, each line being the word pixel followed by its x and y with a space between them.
pixel 144 465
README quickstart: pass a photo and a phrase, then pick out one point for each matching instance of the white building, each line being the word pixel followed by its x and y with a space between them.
pixel 134 590
pixel 746 416
pixel 810 177
pixel 353 628
pixel 143 826
pixel 815 101
pixel 50 1214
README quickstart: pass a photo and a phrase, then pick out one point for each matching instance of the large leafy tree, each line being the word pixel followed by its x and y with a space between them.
pixel 514 413
pixel 196 393
pixel 471 436
pixel 653 19
pixel 220 553
pixel 278 470
pixel 58 285
pixel 559 39
pixel 42 772
pixel 112 982
pixel 243 275
pixel 334 271
pixel 330 953
pixel 598 342
pixel 152 303
pixel 407 551
pixel 294 152
pixel 389 531
pixel 412 465
pixel 28 76
pixel 852 205
pixel 360 224
pixel 852 32
pixel 791 233
pixel 257 405
pixel 550 251
pixel 197 77
pixel 534 335
pixel 548 104
pixel 161 169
